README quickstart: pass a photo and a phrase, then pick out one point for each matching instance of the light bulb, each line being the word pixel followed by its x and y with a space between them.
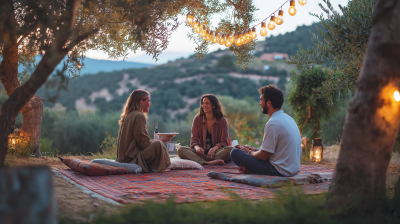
pixel 292 10
pixel 397 95
pixel 222 40
pixel 216 37
pixel 189 18
pixel 302 2
pixel 199 28
pixel 248 36
pixel 204 32
pixel 271 24
pixel 279 19
pixel 195 25
pixel 208 36
pixel 263 31
pixel 253 33
pixel 232 38
pixel 228 42
pixel 245 38
pixel 238 40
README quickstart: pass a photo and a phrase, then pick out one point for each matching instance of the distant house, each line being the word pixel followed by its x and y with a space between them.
pixel 274 56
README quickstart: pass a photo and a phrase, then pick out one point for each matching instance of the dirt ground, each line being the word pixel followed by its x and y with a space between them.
pixel 73 203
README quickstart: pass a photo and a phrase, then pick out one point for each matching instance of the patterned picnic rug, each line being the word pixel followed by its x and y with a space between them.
pixel 184 185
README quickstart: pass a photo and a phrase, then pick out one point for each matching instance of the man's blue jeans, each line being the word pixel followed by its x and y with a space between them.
pixel 256 166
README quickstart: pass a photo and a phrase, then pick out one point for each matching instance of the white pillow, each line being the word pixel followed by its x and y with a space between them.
pixel 184 164
pixel 131 167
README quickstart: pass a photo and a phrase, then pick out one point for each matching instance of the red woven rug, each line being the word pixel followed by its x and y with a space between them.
pixel 184 185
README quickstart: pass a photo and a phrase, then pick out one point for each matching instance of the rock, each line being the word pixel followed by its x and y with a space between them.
pixel 95 204
pixel 27 195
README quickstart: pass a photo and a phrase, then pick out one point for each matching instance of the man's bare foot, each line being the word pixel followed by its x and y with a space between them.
pixel 243 170
pixel 215 162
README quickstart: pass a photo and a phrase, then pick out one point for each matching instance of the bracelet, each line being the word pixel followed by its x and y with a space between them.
pixel 249 152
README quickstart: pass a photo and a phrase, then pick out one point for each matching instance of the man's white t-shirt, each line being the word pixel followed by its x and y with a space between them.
pixel 282 140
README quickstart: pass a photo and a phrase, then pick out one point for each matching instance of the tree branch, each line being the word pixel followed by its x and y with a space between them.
pixel 81 38
pixel 20 40
pixel 308 116
pixel 238 9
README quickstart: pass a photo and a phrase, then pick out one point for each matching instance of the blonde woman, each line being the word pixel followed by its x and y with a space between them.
pixel 134 143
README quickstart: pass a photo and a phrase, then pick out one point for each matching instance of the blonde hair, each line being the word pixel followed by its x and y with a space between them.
pixel 133 103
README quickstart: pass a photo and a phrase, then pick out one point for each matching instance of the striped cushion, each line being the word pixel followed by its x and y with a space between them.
pixel 92 169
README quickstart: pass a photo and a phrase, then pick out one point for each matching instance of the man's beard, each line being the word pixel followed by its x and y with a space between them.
pixel 265 109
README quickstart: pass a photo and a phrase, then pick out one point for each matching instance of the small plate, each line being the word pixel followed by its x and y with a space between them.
pixel 165 134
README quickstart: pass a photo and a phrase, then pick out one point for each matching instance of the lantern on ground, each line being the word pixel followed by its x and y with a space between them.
pixel 14 137
pixel 317 151
pixel 11 139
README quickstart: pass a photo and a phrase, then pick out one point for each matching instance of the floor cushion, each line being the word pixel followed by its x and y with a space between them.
pixel 131 167
pixel 92 169
pixel 183 164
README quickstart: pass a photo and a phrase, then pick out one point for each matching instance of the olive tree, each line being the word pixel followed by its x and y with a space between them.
pixel 66 29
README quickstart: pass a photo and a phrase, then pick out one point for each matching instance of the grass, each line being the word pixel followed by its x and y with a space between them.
pixel 290 206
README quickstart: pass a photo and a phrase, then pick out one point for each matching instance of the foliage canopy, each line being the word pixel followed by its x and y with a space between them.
pixel 309 109
pixel 122 26
pixel 340 46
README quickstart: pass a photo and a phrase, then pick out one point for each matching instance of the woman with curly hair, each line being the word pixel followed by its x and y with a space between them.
pixel 210 135
pixel 134 143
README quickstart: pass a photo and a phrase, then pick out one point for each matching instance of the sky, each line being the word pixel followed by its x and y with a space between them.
pixel 181 46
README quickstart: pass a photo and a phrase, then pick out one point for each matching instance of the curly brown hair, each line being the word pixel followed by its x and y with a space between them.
pixel 273 94
pixel 217 107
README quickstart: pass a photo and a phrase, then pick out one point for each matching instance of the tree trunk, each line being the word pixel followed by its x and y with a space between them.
pixel 33 110
pixel 373 118
pixel 27 195
pixel 22 95
pixel 65 39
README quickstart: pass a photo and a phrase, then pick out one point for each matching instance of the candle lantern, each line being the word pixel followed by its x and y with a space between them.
pixel 316 153
pixel 11 139
pixel 14 137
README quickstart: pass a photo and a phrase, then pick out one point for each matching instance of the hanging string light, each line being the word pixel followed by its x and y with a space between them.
pixel 271 24
pixel 253 33
pixel 204 32
pixel 302 2
pixel 263 31
pixel 228 41
pixel 198 27
pixel 222 40
pixel 215 39
pixel 189 18
pixel 248 36
pixel 241 37
pixel 292 10
pixel 279 18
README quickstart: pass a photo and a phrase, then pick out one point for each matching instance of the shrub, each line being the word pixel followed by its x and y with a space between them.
pixel 109 147
pixel 21 148
pixel 75 134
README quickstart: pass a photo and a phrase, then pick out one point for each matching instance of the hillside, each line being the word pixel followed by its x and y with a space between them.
pixel 289 42
pixel 175 89
pixel 93 66
pixel 176 86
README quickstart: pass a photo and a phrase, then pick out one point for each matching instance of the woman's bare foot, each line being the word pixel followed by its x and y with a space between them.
pixel 215 162
pixel 243 170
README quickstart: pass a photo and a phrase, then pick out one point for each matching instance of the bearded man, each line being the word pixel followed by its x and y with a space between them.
pixel 280 151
